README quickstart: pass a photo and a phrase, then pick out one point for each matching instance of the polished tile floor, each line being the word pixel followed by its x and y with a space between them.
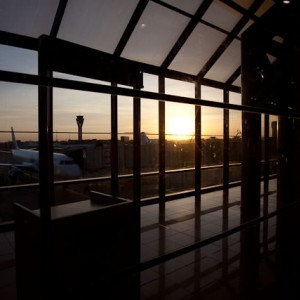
pixel 7 267
pixel 215 271
pixel 240 266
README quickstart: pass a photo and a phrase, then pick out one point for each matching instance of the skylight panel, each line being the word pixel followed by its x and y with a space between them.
pixel 244 3
pixel 30 18
pixel 238 81
pixel 264 7
pixel 197 50
pixel 227 63
pixel 188 6
pixel 96 24
pixel 249 23
pixel 222 16
pixel 155 34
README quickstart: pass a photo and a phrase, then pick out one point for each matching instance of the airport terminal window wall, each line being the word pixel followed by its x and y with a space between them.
pixel 170 174
pixel 220 141
pixel 93 152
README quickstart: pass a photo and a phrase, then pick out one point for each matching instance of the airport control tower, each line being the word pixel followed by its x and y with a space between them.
pixel 79 120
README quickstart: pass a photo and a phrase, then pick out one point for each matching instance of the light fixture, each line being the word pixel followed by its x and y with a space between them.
pixel 286 1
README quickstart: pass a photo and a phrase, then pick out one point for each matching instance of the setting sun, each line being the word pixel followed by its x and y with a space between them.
pixel 180 127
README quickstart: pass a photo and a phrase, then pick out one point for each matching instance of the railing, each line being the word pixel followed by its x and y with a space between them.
pixel 125 176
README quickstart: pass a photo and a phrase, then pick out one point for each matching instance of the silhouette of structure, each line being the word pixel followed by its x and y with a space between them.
pixel 79 120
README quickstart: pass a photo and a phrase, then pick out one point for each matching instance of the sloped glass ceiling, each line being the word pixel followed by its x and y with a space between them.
pixel 100 24
pixel 227 63
pixel 30 18
pixel 238 81
pixel 155 34
pixel 249 23
pixel 96 24
pixel 264 7
pixel 189 6
pixel 222 16
pixel 244 3
pixel 197 50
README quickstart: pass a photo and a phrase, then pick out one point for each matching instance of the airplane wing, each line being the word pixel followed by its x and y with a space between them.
pixel 22 167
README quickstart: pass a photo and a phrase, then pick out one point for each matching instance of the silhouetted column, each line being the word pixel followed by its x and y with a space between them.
pixel 114 150
pixel 251 165
pixel 162 141
pixel 46 171
pixel 79 120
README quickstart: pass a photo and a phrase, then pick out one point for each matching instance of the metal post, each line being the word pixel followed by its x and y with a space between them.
pixel 198 144
pixel 226 144
pixel 114 152
pixel 137 149
pixel 46 172
pixel 225 182
pixel 266 180
pixel 162 141
pixel 251 166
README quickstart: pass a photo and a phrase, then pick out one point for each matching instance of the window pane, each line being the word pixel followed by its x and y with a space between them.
pixel 227 63
pixel 155 34
pixel 197 49
pixel 189 6
pixel 91 151
pixel 222 15
pixel 235 145
pixel 149 135
pixel 30 18
pixel 180 118
pixel 238 81
pixel 213 94
pixel 96 24
pixel 267 4
pixel 212 127
pixel 180 129
pixel 18 60
pixel 212 146
pixel 244 3
pixel 150 83
pixel 19 110
pixel 235 98
pixel 125 133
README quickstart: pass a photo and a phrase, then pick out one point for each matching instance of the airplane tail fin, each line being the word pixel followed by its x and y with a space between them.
pixel 14 142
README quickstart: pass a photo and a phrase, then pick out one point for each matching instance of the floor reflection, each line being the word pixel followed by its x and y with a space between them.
pixel 260 262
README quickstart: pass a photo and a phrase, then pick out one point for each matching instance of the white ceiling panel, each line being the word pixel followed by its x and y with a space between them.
pixel 96 24
pixel 27 17
pixel 156 33
pixel 199 47
pixel 189 6
pixel 227 63
pixel 222 16
pixel 244 3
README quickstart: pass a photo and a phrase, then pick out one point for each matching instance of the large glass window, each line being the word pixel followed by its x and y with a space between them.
pixel 18 60
pixel 96 24
pixel 155 34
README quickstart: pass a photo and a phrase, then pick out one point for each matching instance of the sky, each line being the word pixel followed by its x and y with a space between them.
pixel 19 107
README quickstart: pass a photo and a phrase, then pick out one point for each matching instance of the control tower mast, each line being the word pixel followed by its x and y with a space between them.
pixel 79 120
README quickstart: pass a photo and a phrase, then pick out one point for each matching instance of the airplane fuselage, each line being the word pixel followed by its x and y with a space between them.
pixel 64 166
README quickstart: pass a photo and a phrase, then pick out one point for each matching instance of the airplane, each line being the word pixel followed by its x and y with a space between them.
pixel 28 160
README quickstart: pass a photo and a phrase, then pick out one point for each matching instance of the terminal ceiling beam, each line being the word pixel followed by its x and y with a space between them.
pixel 130 27
pixel 234 76
pixel 186 33
pixel 233 34
pixel 58 17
